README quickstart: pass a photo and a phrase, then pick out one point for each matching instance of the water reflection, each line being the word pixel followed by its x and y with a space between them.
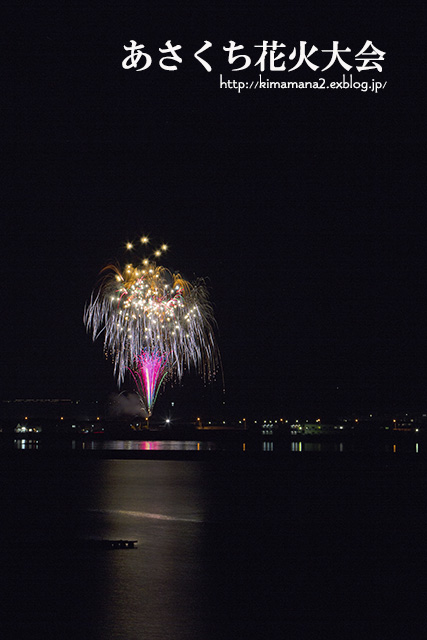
pixel 156 591
pixel 402 447
pixel 146 445
pixel 320 447
pixel 324 447
pixel 253 446
pixel 26 444
pixel 354 447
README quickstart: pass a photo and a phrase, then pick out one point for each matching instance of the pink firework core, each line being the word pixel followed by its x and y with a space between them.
pixel 149 373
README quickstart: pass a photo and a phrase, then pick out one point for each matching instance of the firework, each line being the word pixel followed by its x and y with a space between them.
pixel 150 371
pixel 155 324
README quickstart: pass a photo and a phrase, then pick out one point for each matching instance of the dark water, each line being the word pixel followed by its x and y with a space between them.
pixel 236 548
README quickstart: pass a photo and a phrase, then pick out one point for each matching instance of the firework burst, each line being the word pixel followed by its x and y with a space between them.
pixel 155 324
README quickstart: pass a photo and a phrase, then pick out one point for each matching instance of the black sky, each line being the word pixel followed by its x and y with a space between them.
pixel 303 209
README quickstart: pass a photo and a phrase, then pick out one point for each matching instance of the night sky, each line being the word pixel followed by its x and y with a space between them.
pixel 304 210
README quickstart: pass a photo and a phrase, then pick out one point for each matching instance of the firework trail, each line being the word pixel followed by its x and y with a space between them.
pixel 155 324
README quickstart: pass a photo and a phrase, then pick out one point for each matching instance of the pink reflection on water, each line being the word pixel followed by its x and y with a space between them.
pixel 149 446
